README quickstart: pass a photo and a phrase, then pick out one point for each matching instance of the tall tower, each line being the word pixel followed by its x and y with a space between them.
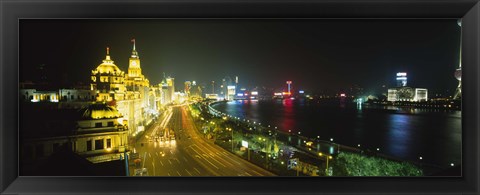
pixel 135 80
pixel 213 87
pixel 134 69
pixel 458 72
pixel 289 83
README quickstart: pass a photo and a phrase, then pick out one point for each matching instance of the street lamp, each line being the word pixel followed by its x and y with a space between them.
pixel 328 157
pixel 232 136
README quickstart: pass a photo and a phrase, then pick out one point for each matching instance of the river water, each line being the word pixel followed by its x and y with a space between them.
pixel 405 133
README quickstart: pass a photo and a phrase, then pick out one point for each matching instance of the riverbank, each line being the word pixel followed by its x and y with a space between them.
pixel 290 154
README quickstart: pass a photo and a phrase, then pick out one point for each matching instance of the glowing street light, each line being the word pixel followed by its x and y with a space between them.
pixel 327 157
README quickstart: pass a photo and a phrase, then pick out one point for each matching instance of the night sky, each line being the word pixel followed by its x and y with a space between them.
pixel 316 54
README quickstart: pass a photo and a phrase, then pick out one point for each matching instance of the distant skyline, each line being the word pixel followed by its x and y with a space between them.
pixel 316 54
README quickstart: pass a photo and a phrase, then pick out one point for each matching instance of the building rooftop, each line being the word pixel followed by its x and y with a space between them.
pixel 98 111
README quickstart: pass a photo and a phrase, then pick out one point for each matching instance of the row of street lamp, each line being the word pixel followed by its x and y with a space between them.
pixel 299 132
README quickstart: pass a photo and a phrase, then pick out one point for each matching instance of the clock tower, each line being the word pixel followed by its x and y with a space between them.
pixel 134 69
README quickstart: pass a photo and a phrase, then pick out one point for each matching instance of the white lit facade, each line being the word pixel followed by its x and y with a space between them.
pixel 407 94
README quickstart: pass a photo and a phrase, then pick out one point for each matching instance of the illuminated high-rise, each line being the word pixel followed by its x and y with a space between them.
pixel 401 79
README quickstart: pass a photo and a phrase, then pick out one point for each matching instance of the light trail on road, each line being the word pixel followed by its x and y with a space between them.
pixel 189 154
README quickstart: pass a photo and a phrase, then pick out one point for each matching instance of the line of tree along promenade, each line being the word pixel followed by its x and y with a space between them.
pixel 288 154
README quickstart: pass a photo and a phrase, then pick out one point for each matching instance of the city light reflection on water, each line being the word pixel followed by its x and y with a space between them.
pixel 399 134
pixel 403 133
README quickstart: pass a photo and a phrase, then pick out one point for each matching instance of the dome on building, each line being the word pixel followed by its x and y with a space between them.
pixel 99 111
pixel 108 68
pixel 107 65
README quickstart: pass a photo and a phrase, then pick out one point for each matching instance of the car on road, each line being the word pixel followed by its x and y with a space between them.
pixel 141 172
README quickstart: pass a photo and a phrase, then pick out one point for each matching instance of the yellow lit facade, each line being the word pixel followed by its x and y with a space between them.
pixel 108 80
pixel 135 79
pixel 99 135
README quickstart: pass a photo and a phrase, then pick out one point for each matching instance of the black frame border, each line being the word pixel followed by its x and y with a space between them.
pixel 12 11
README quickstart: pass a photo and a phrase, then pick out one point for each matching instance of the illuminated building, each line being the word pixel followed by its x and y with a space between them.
pixel 110 84
pixel 166 98
pixel 33 95
pixel 156 97
pixel 403 93
pixel 180 97
pixel 289 83
pixel 108 80
pixel 407 94
pixel 420 95
pixel 137 105
pixel 101 133
pixel 401 79
pixel 171 87
pixel 211 96
pixel 188 86
pixel 458 72
pixel 196 91
pixel 96 132
pixel 227 91
pixel 168 89
pixel 71 95
pixel 136 83
pixel 230 92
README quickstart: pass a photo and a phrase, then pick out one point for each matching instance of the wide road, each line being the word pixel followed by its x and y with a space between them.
pixel 190 154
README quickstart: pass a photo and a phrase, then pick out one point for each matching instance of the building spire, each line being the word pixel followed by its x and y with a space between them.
pixel 108 60
pixel 133 41
pixel 134 51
